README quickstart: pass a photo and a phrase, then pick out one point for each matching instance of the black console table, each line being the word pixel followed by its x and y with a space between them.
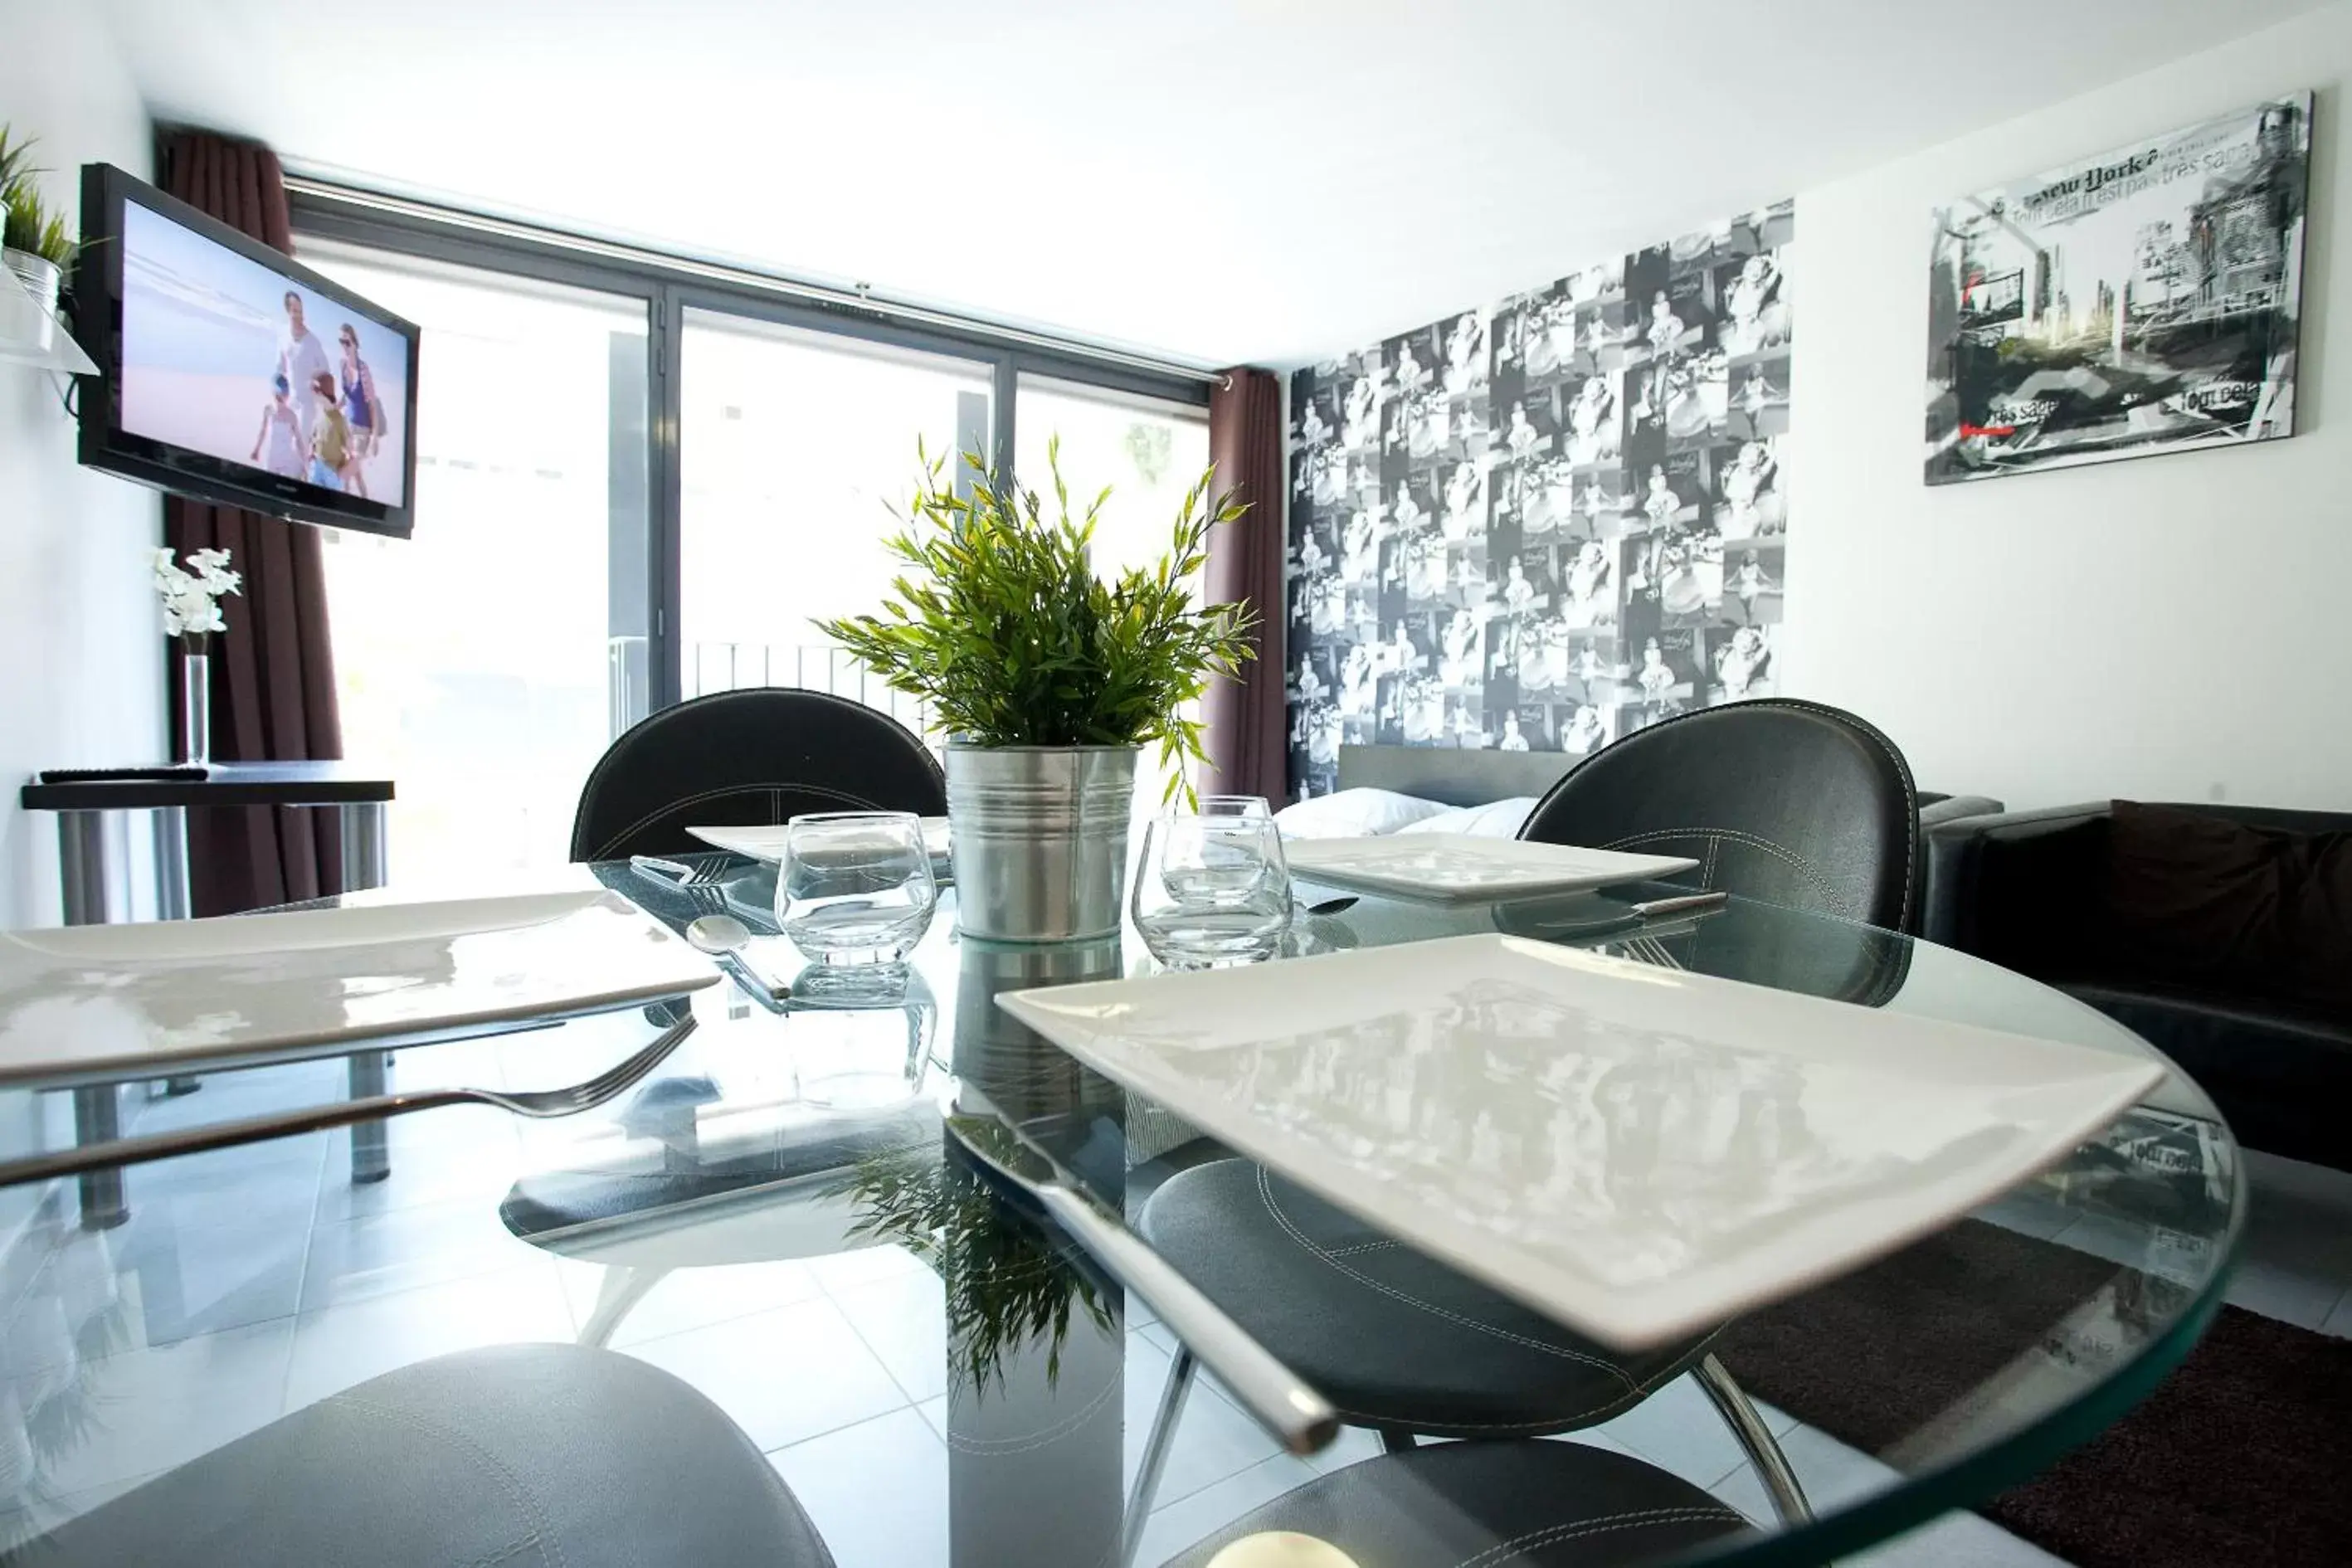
pixel 96 884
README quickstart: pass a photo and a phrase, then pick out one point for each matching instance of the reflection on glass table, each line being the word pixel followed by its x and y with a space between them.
pixel 779 1217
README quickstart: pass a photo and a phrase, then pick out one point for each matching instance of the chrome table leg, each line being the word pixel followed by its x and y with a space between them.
pixel 1155 1453
pixel 1763 1449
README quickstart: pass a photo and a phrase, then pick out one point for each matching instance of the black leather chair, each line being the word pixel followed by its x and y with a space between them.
pixel 2027 891
pixel 748 758
pixel 1792 803
pixel 522 1456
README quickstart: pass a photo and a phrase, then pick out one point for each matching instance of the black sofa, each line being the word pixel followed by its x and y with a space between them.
pixel 2038 892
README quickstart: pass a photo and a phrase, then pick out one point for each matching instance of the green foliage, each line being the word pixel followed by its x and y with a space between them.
pixel 1008 1288
pixel 16 159
pixel 1005 628
pixel 26 223
pixel 29 225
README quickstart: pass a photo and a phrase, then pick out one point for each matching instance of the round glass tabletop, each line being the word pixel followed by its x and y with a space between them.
pixel 786 1213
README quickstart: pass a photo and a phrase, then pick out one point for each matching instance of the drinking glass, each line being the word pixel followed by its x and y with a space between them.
pixel 855 886
pixel 1212 885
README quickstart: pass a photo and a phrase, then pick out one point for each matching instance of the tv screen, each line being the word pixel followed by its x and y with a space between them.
pixel 231 374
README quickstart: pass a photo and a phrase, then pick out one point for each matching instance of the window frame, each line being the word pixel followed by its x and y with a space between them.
pixel 671 285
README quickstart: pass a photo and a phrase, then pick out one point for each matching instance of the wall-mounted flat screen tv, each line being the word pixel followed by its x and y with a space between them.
pixel 229 374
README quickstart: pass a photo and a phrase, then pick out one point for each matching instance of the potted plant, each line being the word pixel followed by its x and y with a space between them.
pixel 1049 680
pixel 34 244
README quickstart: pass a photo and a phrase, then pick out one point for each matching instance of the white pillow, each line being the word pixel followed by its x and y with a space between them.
pixel 1498 819
pixel 1353 813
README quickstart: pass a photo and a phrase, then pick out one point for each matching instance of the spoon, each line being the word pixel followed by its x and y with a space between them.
pixel 724 937
pixel 718 936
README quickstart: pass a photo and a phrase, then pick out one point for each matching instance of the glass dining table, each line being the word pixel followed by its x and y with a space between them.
pixel 785 1211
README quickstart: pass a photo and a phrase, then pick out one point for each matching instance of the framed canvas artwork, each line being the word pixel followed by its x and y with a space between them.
pixel 2135 303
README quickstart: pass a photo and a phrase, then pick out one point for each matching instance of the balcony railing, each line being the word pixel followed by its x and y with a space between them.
pixel 736 666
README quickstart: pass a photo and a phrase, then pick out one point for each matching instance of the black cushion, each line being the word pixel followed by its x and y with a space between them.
pixel 2259 913
pixel 2282 1076
pixel 2031 890
pixel 2023 889
pixel 1492 1505
pixel 748 758
pixel 520 1455
pixel 2039 892
pixel 1791 803
pixel 1391 1337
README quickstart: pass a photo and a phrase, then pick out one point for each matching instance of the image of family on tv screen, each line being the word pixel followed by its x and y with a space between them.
pixel 324 421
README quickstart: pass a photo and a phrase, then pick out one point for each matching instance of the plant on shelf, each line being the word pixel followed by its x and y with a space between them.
pixel 15 158
pixel 27 225
pixel 1047 678
pixel 34 230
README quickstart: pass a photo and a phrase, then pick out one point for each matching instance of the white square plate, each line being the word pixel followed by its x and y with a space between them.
pixel 138 1000
pixel 1443 866
pixel 1636 1153
pixel 766 842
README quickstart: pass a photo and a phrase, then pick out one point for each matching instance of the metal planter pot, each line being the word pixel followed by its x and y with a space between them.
pixel 1039 836
pixel 41 279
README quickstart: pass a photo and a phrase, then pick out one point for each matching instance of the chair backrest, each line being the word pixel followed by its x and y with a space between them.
pixel 1792 803
pixel 745 759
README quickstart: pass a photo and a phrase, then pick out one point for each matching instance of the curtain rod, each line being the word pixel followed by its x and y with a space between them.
pixel 326 193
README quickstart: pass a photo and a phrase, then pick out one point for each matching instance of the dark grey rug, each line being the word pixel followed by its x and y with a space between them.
pixel 2241 1458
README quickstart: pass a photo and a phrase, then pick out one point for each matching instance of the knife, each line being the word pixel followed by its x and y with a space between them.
pixel 1632 915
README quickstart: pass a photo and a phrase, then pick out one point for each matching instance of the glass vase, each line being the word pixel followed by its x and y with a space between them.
pixel 195 710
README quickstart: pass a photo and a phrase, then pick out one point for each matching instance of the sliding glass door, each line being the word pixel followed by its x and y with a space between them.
pixel 488 661
pixel 1148 451
pixel 796 451
pixel 641 481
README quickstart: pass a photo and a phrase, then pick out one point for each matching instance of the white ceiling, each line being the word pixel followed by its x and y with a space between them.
pixel 1220 180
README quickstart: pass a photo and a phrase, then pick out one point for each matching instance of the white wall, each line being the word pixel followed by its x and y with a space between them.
pixel 2170 628
pixel 82 677
pixel 81 669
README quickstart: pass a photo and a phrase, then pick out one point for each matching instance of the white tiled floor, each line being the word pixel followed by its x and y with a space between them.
pixel 785 1375
pixel 877 1490
pixel 336 1347
pixel 264 1273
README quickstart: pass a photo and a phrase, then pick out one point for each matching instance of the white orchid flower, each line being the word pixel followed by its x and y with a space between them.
pixel 191 599
pixel 212 570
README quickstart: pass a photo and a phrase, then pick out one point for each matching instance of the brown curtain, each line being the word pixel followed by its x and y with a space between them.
pixel 1248 754
pixel 273 671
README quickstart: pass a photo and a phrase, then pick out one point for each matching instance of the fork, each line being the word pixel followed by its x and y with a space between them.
pixel 538 1104
pixel 709 889
pixel 704 886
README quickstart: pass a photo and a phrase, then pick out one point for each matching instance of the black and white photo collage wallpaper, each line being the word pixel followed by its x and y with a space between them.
pixel 1543 526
